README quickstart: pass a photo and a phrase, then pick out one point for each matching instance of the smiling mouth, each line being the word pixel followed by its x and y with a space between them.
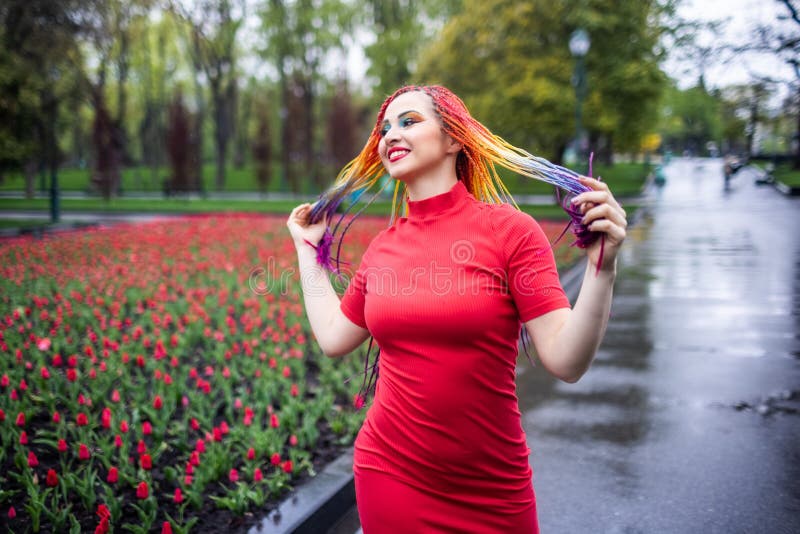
pixel 397 153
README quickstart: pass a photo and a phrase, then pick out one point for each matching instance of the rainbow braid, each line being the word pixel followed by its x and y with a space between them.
pixel 475 167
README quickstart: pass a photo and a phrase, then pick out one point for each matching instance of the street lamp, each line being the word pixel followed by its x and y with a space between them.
pixel 579 46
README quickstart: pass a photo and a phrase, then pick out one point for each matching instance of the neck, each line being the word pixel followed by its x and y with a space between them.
pixel 422 189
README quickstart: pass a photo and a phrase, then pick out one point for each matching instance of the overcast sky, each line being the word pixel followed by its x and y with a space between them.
pixel 740 16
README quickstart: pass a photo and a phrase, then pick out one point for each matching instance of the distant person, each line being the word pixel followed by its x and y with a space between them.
pixel 444 292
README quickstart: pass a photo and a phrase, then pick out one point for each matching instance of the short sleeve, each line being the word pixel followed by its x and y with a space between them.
pixel 352 303
pixel 531 267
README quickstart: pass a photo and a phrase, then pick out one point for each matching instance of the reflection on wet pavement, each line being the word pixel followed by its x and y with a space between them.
pixel 688 419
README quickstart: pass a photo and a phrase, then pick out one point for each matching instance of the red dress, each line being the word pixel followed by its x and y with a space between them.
pixel 443 291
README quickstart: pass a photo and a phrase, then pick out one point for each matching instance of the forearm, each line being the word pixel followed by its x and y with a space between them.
pixel 320 299
pixel 576 343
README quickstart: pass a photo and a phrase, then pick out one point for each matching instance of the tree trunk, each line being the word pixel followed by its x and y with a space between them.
pixel 122 94
pixel 220 132
pixel 200 116
pixel 312 175
pixel 30 178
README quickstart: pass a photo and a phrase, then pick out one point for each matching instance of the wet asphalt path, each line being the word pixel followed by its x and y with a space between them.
pixel 688 421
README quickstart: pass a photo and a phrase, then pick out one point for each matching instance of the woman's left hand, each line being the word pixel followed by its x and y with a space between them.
pixel 602 213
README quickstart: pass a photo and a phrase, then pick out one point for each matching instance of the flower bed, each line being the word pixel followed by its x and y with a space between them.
pixel 157 375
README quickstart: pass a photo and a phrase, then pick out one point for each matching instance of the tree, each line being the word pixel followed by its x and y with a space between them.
pixel 402 28
pixel 39 57
pixel 300 35
pixel 341 127
pixel 179 147
pixel 510 62
pixel 782 39
pixel 262 146
pixel 691 118
pixel 213 25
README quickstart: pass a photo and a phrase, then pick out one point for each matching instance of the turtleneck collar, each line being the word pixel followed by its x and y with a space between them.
pixel 439 203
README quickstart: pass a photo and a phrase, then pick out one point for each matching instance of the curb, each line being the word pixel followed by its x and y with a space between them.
pixel 787 190
pixel 317 505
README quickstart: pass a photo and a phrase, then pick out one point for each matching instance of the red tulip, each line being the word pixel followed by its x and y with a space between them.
pixel 32 460
pixel 43 344
pixel 166 528
pixel 72 375
pixel 233 475
pixel 123 427
pixel 251 453
pixel 157 402
pixel 147 428
pixel 141 490
pixel 258 476
pixel 276 459
pixel 200 446
pixel 12 513
pixel 118 441
pixel 146 462
pixel 23 438
pixel 21 419
pixel 82 420
pixel 115 396
pixel 273 421
pixel 45 373
pixel 195 424
pixel 287 466
pixel 62 445
pixel 52 478
pixel 56 417
pixel 292 440
pixel 294 391
pixel 4 381
pixel 103 512
pixel 141 448
pixel 105 418
pixel 178 497
pixel 83 452
pixel 113 475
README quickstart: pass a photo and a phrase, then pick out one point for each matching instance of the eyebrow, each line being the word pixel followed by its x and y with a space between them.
pixel 403 114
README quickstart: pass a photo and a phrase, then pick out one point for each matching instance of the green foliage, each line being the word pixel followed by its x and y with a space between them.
pixel 511 64
pixel 691 118
pixel 402 28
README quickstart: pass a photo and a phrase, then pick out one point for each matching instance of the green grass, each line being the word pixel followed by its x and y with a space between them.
pixel 624 179
pixel 787 175
pixel 23 223
pixel 143 179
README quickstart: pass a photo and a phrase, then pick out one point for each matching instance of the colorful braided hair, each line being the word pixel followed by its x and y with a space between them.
pixel 475 167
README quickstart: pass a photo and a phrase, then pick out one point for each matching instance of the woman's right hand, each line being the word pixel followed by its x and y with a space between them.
pixel 301 228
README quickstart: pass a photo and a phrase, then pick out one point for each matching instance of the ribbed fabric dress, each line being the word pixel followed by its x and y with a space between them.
pixel 443 292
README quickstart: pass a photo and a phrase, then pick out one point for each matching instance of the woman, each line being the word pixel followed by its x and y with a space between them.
pixel 443 291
